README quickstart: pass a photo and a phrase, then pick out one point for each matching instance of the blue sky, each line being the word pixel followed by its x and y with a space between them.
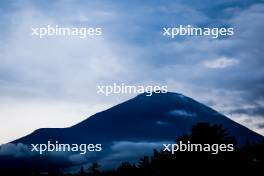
pixel 52 82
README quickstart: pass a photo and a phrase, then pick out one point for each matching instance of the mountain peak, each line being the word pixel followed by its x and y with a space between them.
pixel 165 96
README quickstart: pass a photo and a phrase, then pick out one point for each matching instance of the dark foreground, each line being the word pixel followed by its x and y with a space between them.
pixel 248 159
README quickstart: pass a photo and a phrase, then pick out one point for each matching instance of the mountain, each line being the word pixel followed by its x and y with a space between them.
pixel 160 117
pixel 126 132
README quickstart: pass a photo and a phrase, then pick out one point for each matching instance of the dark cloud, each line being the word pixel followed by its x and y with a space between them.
pixel 261 125
pixel 253 111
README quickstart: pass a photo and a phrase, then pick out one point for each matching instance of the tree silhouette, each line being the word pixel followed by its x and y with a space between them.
pixel 126 169
pixel 205 133
pixel 144 162
pixel 94 169
pixel 82 172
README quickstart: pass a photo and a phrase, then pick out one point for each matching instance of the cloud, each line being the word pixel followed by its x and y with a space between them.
pixel 220 63
pixel 182 113
pixel 261 126
pixel 161 122
pixel 130 151
pixel 42 80
pixel 19 156
pixel 61 75
pixel 113 155
pixel 251 111
pixel 16 150
pixel 252 122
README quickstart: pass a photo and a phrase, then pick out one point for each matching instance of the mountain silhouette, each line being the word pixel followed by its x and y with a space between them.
pixel 160 117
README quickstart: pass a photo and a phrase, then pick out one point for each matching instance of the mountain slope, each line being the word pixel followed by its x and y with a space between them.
pixel 160 117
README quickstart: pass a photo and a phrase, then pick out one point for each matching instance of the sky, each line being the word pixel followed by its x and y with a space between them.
pixel 52 82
